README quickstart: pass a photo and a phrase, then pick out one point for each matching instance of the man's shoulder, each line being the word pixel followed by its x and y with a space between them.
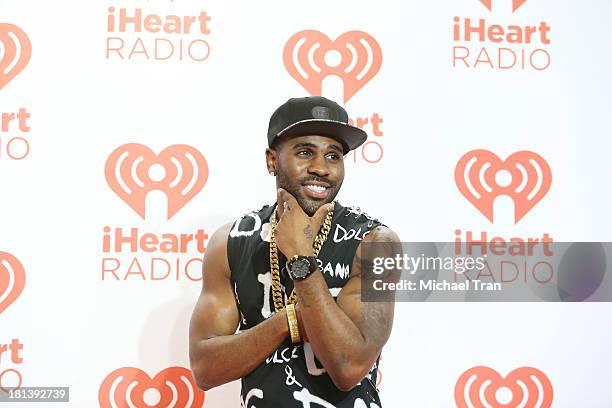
pixel 355 214
pixel 377 230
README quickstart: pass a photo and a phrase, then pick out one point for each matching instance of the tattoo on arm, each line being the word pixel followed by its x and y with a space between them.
pixel 308 232
pixel 377 318
pixel 305 304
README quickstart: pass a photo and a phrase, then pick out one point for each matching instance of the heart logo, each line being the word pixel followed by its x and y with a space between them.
pixel 131 387
pixel 483 387
pixel 15 52
pixel 12 279
pixel 133 170
pixel 310 56
pixel 515 4
pixel 481 177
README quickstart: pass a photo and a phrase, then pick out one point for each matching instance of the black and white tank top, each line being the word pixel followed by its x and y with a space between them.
pixel 292 376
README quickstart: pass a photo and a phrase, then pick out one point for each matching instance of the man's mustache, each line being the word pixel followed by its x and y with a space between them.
pixel 318 179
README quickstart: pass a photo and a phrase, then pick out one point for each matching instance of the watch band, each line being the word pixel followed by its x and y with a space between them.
pixel 294 329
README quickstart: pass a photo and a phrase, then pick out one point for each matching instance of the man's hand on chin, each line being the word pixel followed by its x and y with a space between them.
pixel 295 230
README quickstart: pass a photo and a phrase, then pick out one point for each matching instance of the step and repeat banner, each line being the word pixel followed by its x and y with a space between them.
pixel 132 129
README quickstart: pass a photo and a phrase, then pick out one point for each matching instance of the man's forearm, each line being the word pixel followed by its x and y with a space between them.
pixel 335 339
pixel 218 360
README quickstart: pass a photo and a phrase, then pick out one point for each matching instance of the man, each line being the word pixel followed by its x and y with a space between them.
pixel 288 277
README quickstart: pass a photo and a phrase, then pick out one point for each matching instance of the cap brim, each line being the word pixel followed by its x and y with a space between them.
pixel 350 136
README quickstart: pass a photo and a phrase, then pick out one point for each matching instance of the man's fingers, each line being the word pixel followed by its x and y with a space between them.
pixel 280 204
pixel 287 197
pixel 281 194
pixel 286 201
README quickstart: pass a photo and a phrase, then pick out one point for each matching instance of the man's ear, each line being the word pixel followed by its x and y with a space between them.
pixel 271 155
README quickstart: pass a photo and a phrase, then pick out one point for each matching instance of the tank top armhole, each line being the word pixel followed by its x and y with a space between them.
pixel 231 249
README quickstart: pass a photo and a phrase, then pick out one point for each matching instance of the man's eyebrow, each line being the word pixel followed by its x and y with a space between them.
pixel 304 144
pixel 314 146
pixel 335 147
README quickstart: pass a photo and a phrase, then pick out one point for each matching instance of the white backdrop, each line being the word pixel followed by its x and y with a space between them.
pixel 77 324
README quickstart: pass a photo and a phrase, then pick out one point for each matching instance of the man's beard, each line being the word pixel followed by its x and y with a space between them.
pixel 309 205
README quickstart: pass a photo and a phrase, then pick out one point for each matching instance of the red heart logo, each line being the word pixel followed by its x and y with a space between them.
pixel 131 387
pixel 527 180
pixel 180 171
pixel 360 58
pixel 15 52
pixel 481 387
pixel 12 279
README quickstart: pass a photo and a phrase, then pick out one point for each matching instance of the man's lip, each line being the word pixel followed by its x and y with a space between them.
pixel 316 183
pixel 316 195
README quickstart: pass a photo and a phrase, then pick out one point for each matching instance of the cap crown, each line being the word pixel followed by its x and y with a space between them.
pixel 300 109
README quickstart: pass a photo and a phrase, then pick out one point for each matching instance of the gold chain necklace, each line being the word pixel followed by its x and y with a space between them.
pixel 274 269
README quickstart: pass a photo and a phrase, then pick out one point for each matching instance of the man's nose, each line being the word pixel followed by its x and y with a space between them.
pixel 318 165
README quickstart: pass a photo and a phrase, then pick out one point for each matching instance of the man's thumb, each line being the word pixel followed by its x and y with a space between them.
pixel 322 212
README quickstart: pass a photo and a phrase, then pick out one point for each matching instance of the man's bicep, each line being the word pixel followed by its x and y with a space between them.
pixel 216 312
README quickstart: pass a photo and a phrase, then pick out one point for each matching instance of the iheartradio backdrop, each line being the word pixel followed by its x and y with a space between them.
pixel 131 130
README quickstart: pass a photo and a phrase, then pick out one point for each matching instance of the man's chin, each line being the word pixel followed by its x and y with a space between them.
pixel 310 207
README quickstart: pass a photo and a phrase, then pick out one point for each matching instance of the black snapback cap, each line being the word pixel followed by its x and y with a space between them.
pixel 314 115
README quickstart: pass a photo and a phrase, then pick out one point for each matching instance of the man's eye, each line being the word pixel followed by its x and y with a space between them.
pixel 303 153
pixel 333 156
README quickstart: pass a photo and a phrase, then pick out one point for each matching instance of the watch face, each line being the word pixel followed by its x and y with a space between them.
pixel 300 268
